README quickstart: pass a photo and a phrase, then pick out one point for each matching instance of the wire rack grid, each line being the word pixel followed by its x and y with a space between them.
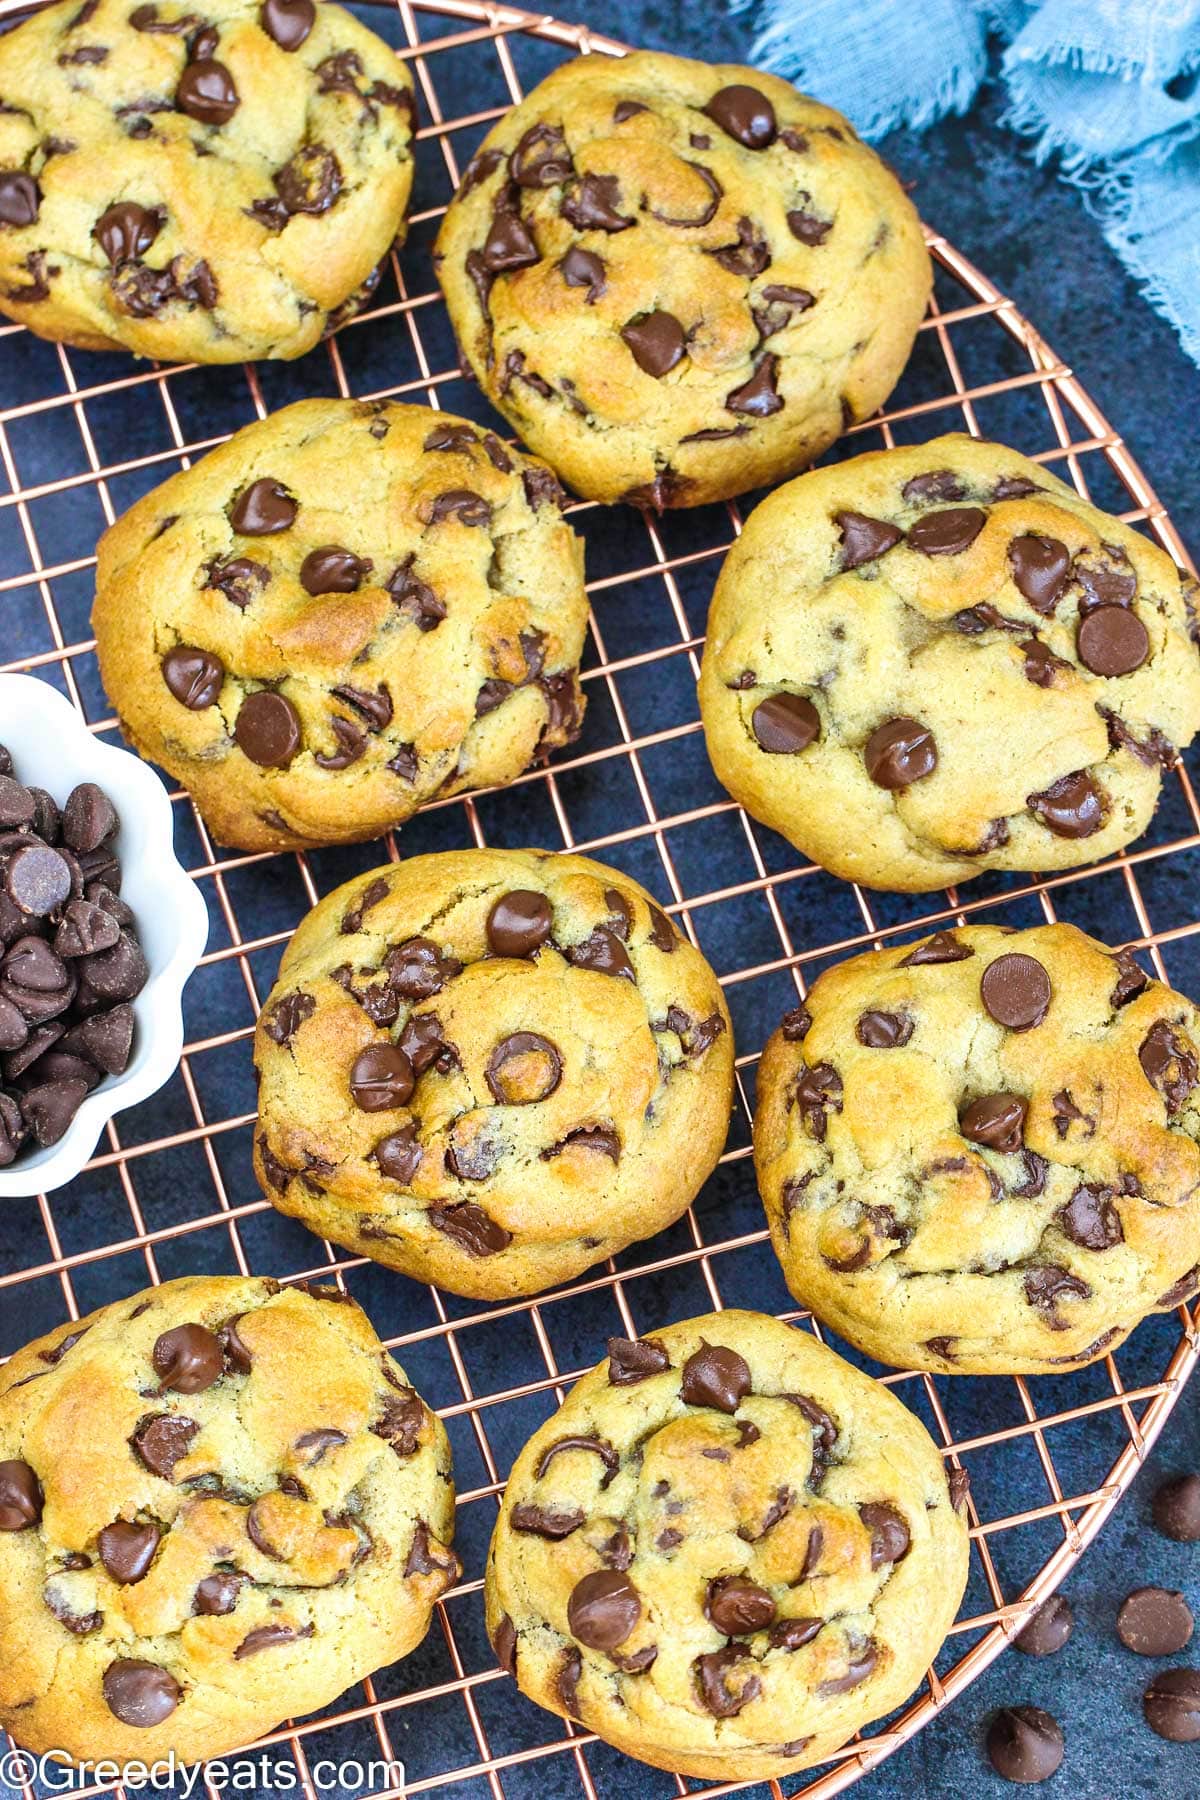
pixel 169 1190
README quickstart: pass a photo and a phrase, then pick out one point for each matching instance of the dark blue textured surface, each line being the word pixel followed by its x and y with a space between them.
pixel 1034 238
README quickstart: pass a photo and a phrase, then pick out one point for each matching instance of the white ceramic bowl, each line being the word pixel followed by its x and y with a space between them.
pixel 52 748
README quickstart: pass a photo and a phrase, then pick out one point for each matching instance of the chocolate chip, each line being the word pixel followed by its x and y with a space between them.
pixel 187 1359
pixel 864 539
pixel 947 533
pixel 1171 1705
pixel 656 342
pixel 796 1024
pixel 883 1030
pixel 776 305
pixel 268 729
pixel 1169 1063
pixel 403 1418
pixel 1047 1284
pixel 140 1693
pixel 381 1078
pixel 523 1069
pixel 37 880
pixel 1040 568
pixel 218 1593
pixel 1014 487
pixel 509 243
pixel 504 1643
pixel 126 231
pixel 662 932
pixel 263 508
pixel 418 969
pixel 541 158
pixel 269 1637
pixel 310 181
pixel 890 1536
pixel 793 1634
pixel 748 256
pixel 398 1156
pixel 538 1521
pixel 117 974
pixel 162 1440
pixel 1073 807
pixel 49 1109
pixel 807 226
pixel 595 205
pixel 1041 663
pixel 996 1121
pixel 194 677
pixel 283 1019
pixel 1015 990
pixel 20 1496
pixel 603 953
pixel 635 1359
pixel 472 1229
pixel 745 114
pixel 1091 1220
pixel 1176 1509
pixel 1024 1744
pixel 1155 1621
pixel 20 198
pixel 785 724
pixel 814 1091
pixel 737 1606
pixel 519 923
pixel 899 752
pixel 88 818
pixel 1106 580
pixel 1048 1629
pixel 715 1376
pixel 462 504
pixel 351 742
pixel 423 1044
pixel 237 578
pixel 127 1550
pixel 17 804
pixel 627 109
pixel 1132 980
pixel 30 967
pixel 759 396
pixel 13 1029
pixel 1112 641
pixel 288 22
pixel 206 92
pixel 584 269
pixel 333 570
pixel 719 1696
pixel 603 1609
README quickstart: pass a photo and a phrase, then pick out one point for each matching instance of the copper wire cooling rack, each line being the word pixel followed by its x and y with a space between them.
pixel 170 1190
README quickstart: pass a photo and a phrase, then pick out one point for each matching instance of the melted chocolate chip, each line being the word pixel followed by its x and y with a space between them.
pixel 737 1606
pixel 749 255
pixel 127 1550
pixel 472 1229
pixel 333 570
pixel 162 1440
pixel 1169 1063
pixel 541 158
pixel 634 1359
pixel 864 539
pixel 1091 1220
pixel 996 1121
pixel 523 1069
pixel 1016 991
pixel 584 269
pixel 1112 641
pixel 381 1078
pixel 262 509
pixel 594 205
pixel 719 1696
pixel 187 1359
pixel 1040 568
pixel 540 1521
pixel 217 1594
pixel 947 533
pixel 206 92
pixel 900 752
pixel 1048 1284
pixel 288 22
pixel 744 113
pixel 20 1496
pixel 715 1376
pixel 268 729
pixel 1075 806
pixel 1132 980
pixel 656 342
pixel 883 1030
pixel 891 1539
pixel 126 230
pixel 603 953
pixel 20 199
pixel 785 724
pixel 194 677
pixel 310 181
pixel 141 1694
pixel 239 579
pixel 759 396
pixel 519 923
pixel 603 1609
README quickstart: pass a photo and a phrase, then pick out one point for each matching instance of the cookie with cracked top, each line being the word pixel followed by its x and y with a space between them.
pixel 211 184
pixel 347 609
pixel 726 1552
pixel 490 1069
pixel 220 1503
pixel 679 280
pixel 980 1154
pixel 975 669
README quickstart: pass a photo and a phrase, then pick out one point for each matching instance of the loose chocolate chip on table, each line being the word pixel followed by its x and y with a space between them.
pixel 37 880
pixel 523 1069
pixel 1155 1621
pixel 88 818
pixel 759 396
pixel 20 1496
pixel 381 1078
pixel 1024 1744
pixel 127 1550
pixel 899 752
pixel 715 1376
pixel 745 114
pixel 995 1120
pixel 883 1030
pixel 140 1693
pixel 785 724
pixel 584 269
pixel 469 1226
pixel 20 198
pixel 519 923
pixel 1015 990
pixel 737 1606
pixel 262 509
pixel 127 230
pixel 268 729
pixel 187 1359
pixel 194 677
pixel 1112 641
pixel 1176 1509
pixel 333 570
pixel 635 1359
pixel 206 92
pixel 890 1536
pixel 1072 807
pixel 1040 568
pixel 603 1609
pixel 947 533
pixel 864 539
pixel 656 342
pixel 1171 1705
pixel 1048 1629
pixel 287 21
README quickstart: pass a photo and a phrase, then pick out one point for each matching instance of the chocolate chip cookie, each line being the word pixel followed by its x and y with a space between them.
pixel 221 1503
pixel 490 1069
pixel 726 1552
pixel 981 1153
pixel 347 609
pixel 677 280
pixel 936 660
pixel 208 183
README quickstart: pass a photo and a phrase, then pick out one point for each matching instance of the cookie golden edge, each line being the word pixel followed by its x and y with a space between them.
pixel 68 1713
pixel 681 1164
pixel 926 1587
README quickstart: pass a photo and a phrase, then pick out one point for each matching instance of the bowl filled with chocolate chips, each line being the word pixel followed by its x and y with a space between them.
pixel 100 928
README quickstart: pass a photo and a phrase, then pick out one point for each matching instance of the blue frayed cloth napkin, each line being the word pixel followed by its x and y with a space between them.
pixel 1109 87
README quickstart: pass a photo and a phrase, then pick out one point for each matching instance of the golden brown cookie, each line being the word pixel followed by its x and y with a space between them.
pixel 221 1504
pixel 213 184
pixel 981 1153
pixel 490 1069
pixel 680 280
pixel 726 1552
pixel 347 609
pixel 936 660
